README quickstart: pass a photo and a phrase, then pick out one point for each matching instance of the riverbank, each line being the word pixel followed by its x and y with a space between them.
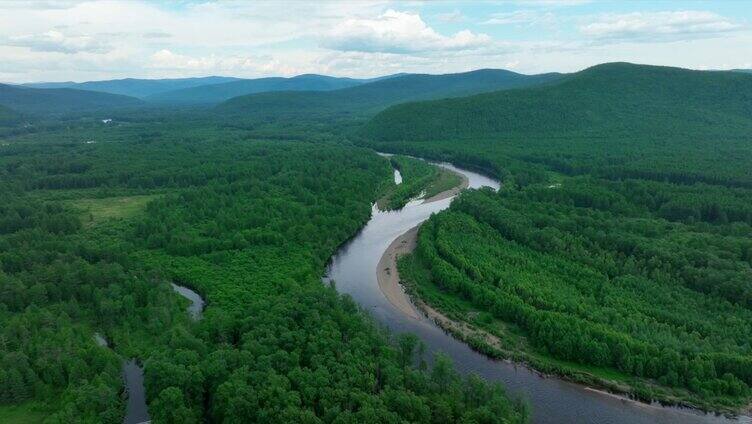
pixel 406 299
pixel 386 270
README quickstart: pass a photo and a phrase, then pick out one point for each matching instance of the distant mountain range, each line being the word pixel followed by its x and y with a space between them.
pixel 371 97
pixel 61 100
pixel 302 95
pixel 206 90
pixel 135 87
pixel 604 99
pixel 217 93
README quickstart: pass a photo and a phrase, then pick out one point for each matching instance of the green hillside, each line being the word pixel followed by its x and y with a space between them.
pixel 216 93
pixel 618 251
pixel 615 97
pixel 135 87
pixel 61 100
pixel 372 97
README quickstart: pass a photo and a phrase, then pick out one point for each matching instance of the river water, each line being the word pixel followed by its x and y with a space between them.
pixel 136 410
pixel 553 401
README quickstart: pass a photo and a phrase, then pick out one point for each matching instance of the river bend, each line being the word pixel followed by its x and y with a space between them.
pixel 553 401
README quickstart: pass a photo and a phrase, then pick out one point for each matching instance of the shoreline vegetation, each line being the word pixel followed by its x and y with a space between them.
pixel 619 249
pixel 405 295
pixel 420 180
pixel 92 234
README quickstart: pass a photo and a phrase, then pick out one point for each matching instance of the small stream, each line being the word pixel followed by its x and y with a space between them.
pixel 553 401
pixel 136 410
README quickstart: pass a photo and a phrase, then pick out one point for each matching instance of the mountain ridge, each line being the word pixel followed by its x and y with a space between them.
pixel 374 96
pixel 61 100
pixel 611 96
pixel 217 93
pixel 135 87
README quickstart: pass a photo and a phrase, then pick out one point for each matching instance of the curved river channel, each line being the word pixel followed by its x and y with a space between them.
pixel 554 401
pixel 136 410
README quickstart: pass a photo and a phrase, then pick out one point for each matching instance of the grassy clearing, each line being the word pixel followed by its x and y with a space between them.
pixel 94 211
pixel 419 178
pixel 445 180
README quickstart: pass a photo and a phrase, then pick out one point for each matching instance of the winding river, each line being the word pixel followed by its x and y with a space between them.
pixel 354 269
pixel 136 410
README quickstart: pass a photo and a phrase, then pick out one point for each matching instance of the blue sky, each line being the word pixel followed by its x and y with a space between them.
pixel 54 40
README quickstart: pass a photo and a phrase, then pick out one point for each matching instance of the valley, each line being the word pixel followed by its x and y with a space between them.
pixel 546 248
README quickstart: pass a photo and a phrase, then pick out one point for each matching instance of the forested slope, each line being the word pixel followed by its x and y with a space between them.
pixel 608 99
pixel 372 97
pixel 618 251
pixel 61 100
pixel 248 224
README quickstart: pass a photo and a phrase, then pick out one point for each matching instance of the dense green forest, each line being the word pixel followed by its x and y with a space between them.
pixel 8 117
pixel 619 246
pixel 618 251
pixel 97 220
pixel 613 99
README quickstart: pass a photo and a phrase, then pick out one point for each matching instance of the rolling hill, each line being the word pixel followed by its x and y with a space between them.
pixel 625 206
pixel 602 99
pixel 217 93
pixel 61 100
pixel 374 96
pixel 135 87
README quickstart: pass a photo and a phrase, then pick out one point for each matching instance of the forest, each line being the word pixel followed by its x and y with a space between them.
pixel 618 250
pixel 98 219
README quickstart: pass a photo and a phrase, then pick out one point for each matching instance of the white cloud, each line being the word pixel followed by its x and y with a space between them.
pixel 659 26
pixel 453 16
pixel 156 34
pixel 39 5
pixel 56 41
pixel 398 32
pixel 103 39
pixel 520 17
pixel 548 3
pixel 167 60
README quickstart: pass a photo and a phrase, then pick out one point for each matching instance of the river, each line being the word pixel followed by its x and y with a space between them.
pixel 553 401
pixel 136 410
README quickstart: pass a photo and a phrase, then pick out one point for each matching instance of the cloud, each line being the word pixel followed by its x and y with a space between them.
pixel 167 60
pixel 520 17
pixel 156 34
pixel 56 41
pixel 453 16
pixel 398 32
pixel 548 3
pixel 38 5
pixel 659 26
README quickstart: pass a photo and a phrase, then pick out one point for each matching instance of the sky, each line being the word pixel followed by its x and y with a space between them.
pixel 69 40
